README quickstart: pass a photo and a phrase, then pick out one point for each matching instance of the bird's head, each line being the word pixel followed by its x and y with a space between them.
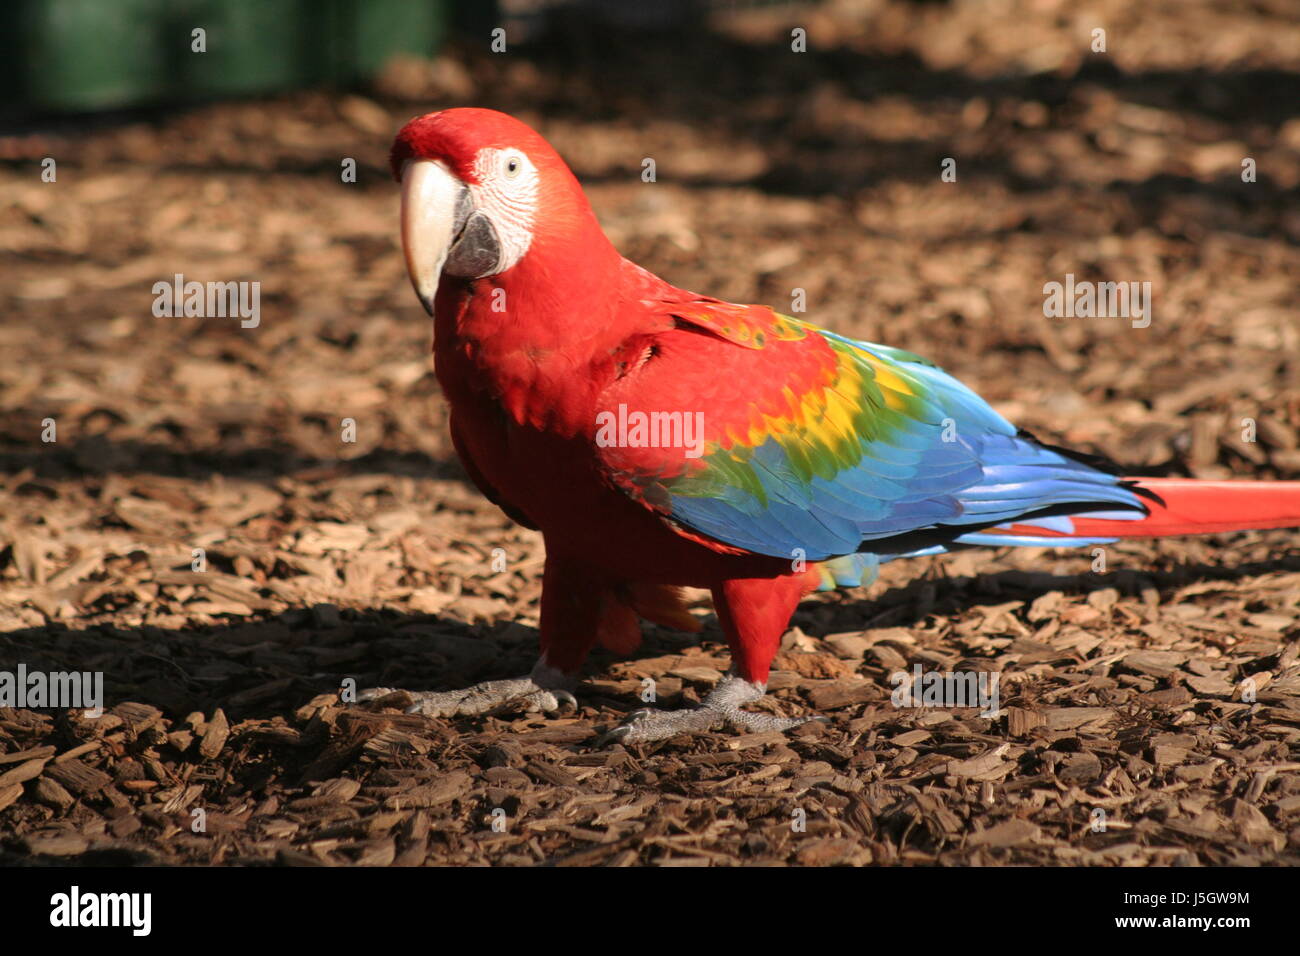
pixel 476 184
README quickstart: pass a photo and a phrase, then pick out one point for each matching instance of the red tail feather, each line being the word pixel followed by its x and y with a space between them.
pixel 1201 507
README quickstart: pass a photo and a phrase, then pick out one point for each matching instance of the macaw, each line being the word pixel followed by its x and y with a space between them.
pixel 659 438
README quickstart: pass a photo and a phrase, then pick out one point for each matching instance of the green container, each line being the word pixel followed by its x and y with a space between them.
pixel 99 54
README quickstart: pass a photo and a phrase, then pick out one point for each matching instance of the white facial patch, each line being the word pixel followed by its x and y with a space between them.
pixel 506 192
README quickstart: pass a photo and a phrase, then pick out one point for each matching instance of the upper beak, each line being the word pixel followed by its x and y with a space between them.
pixel 434 209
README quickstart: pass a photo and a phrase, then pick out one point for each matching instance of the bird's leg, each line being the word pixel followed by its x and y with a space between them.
pixel 544 689
pixel 753 613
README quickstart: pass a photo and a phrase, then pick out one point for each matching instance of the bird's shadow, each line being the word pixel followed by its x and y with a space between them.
pixel 921 597
pixel 269 667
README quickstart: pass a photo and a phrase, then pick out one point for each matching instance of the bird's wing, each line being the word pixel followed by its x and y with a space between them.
pixel 758 432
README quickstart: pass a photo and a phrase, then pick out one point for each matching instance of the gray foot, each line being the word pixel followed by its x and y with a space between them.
pixel 545 689
pixel 720 707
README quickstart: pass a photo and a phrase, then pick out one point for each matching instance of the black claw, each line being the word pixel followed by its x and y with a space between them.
pixel 614 736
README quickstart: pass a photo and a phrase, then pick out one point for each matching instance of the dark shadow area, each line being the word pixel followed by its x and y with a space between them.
pixel 97 457
pixel 693 73
pixel 269 667
pixel 911 603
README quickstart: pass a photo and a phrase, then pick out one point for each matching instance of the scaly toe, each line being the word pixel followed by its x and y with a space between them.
pixel 548 701
pixel 765 723
pixel 440 704
pixel 643 726
pixel 378 693
pixel 478 699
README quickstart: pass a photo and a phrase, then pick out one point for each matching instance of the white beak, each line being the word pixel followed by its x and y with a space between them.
pixel 430 205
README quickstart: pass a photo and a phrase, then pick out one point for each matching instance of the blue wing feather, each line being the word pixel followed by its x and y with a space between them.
pixel 908 482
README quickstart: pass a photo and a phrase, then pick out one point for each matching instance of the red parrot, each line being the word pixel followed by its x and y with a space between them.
pixel 658 438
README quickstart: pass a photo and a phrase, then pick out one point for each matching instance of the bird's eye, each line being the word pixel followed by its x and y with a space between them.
pixel 512 166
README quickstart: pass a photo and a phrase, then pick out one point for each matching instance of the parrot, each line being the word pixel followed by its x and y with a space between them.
pixel 661 439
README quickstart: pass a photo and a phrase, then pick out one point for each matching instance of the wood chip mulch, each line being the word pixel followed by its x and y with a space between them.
pixel 374 561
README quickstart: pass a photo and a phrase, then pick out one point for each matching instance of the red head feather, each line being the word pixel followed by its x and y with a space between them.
pixel 455 136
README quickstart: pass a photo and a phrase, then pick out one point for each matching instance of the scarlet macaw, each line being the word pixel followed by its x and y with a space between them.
pixel 817 457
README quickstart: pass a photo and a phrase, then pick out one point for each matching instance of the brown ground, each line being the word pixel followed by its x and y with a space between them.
pixel 373 560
